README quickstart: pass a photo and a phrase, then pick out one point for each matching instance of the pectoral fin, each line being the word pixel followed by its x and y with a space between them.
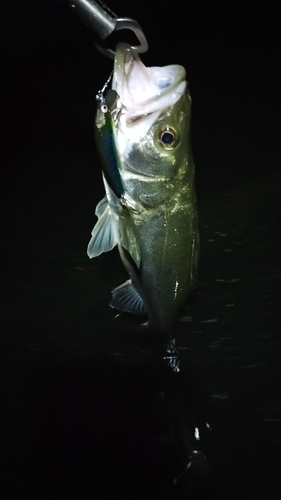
pixel 105 233
pixel 126 298
pixel 101 206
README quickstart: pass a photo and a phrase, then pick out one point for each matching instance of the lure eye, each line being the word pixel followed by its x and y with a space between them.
pixel 104 108
pixel 167 137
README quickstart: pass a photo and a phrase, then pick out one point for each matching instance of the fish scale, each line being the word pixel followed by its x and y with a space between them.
pixel 154 221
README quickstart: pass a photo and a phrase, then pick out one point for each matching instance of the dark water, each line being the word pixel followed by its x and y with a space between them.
pixel 91 407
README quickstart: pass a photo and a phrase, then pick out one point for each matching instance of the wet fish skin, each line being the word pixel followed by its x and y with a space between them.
pixel 166 218
pixel 154 222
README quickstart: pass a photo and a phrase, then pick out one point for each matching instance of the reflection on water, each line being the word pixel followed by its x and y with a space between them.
pixel 100 409
pixel 80 428
pixel 172 356
pixel 185 433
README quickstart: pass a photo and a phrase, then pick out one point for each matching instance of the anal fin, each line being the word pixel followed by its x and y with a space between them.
pixel 126 298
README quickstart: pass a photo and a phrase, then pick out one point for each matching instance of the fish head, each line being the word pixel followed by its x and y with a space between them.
pixel 152 123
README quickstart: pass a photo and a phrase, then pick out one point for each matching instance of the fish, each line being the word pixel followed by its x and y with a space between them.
pixel 149 211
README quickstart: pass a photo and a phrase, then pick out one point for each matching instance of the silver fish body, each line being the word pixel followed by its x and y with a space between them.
pixel 154 222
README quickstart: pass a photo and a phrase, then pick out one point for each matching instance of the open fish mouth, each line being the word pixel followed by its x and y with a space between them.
pixel 144 91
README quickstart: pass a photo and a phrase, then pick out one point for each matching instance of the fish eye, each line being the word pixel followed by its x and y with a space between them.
pixel 167 137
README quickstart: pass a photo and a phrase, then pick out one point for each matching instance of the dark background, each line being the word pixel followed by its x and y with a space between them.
pixel 89 409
